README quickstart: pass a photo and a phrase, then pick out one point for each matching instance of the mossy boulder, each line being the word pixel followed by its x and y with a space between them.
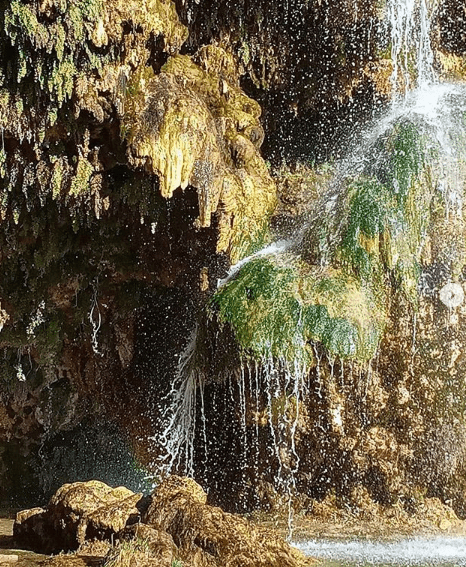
pixel 209 535
pixel 277 307
pixel 76 512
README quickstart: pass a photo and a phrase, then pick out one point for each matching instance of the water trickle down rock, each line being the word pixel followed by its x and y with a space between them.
pixel 395 224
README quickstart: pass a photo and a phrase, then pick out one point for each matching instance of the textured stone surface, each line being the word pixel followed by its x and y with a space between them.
pixel 77 512
pixel 178 525
pixel 205 535
pixel 128 174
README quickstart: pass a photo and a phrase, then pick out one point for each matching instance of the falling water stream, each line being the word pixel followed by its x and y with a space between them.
pixel 437 106
pixel 434 107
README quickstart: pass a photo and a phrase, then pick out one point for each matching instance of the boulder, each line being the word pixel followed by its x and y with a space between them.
pixel 102 523
pixel 32 531
pixel 77 512
pixel 207 536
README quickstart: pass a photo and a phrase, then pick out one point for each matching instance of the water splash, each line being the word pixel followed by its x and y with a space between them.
pixel 176 441
pixel 272 390
pixel 271 249
pixel 419 551
pixel 411 50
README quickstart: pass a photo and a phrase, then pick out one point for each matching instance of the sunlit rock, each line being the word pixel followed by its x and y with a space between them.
pixel 191 127
pixel 178 524
pixel 212 536
pixel 76 512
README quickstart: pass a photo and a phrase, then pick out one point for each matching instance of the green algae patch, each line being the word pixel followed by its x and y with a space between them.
pixel 381 217
pixel 278 307
pixel 400 157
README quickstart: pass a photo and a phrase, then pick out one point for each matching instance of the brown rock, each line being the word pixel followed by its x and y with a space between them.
pixel 207 536
pixel 93 550
pixel 76 512
pixel 32 531
pixel 8 559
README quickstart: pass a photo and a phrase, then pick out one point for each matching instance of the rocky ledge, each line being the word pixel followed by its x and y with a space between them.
pixel 173 526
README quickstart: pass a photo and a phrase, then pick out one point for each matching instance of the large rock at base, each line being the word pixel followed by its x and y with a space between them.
pixel 76 512
pixel 32 531
pixel 177 525
pixel 144 546
pixel 208 537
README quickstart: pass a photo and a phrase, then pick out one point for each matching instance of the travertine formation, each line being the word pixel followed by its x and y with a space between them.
pixel 134 172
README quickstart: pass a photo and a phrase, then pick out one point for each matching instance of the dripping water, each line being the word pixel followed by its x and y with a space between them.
pixel 280 385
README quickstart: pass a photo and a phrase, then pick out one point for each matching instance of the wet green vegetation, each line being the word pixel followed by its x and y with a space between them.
pixel 278 308
pixel 279 305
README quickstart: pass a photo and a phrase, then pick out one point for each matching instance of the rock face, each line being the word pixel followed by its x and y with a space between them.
pixel 302 60
pixel 341 353
pixel 177 525
pixel 131 178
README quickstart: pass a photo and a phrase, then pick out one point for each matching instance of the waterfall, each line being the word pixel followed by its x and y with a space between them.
pixel 411 50
pixel 267 392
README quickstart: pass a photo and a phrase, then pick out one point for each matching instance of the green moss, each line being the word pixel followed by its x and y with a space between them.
pixel 400 159
pixel 61 81
pixel 57 177
pixel 21 22
pixel 277 310
pixel 276 307
pixel 49 338
pixel 381 218
pixel 250 236
pixel 60 39
pixel 81 179
pixel 370 206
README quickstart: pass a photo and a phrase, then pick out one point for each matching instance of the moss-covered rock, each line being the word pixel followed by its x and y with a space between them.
pixel 192 126
pixel 128 173
pixel 276 308
pixel 335 361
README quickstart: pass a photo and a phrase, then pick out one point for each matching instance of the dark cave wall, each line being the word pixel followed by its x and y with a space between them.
pixel 105 263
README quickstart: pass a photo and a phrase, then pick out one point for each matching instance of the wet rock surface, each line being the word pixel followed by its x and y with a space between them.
pixel 132 175
pixel 97 521
pixel 144 183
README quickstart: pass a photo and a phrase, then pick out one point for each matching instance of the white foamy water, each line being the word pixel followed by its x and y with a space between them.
pixel 270 249
pixel 410 32
pixel 418 551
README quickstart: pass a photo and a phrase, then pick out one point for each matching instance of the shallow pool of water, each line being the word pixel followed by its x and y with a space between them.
pixel 445 551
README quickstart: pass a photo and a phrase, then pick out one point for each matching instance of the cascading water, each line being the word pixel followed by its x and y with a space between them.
pixel 286 379
pixel 411 50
